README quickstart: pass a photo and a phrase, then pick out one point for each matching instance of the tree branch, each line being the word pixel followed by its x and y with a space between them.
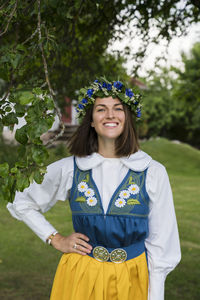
pixel 52 93
pixel 10 18
pixel 31 37
pixel 2 6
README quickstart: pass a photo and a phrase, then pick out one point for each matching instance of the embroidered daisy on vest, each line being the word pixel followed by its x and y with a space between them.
pixel 82 186
pixel 91 201
pixel 134 189
pixel 124 194
pixel 120 202
pixel 89 192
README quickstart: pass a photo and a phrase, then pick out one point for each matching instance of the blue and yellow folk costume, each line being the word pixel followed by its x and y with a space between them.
pixel 117 266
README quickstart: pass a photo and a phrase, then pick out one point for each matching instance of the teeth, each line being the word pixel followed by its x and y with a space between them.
pixel 110 124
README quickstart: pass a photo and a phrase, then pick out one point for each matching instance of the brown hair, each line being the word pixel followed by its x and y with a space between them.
pixel 85 141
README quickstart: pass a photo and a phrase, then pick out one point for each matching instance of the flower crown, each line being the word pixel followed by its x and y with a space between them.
pixel 103 88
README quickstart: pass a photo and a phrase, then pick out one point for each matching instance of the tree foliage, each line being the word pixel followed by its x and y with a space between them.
pixel 51 48
pixel 172 104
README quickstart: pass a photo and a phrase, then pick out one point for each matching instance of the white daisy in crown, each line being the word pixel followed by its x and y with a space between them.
pixel 134 189
pixel 120 202
pixel 91 201
pixel 82 186
pixel 124 194
pixel 89 192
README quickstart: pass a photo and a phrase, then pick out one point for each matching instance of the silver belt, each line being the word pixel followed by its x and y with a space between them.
pixel 118 255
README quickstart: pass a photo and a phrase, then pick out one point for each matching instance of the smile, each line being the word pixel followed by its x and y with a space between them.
pixel 110 124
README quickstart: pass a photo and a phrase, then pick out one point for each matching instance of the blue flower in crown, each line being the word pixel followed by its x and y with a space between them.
pixel 129 93
pixel 90 92
pixel 116 88
pixel 84 101
pixel 138 113
pixel 80 106
pixel 118 85
pixel 109 87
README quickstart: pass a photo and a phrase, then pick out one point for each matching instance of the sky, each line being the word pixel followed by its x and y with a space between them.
pixel 176 46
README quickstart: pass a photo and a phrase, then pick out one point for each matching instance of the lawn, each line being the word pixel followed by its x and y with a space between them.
pixel 27 265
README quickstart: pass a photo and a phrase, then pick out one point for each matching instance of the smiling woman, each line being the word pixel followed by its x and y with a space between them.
pixel 126 239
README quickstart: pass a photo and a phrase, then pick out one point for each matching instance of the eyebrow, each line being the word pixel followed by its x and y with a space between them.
pixel 105 105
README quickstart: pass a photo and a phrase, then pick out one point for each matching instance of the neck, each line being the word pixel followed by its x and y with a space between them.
pixel 106 148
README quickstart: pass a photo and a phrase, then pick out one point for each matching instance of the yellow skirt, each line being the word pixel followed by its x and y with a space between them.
pixel 81 277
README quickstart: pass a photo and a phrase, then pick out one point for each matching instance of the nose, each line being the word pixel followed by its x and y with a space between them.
pixel 110 114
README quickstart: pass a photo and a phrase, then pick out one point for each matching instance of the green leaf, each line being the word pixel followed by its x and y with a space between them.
pixel 22 182
pixel 21 135
pixel 21 47
pixel 130 180
pixel 80 199
pixel 39 154
pixel 4 170
pixel 36 129
pixel 14 170
pixel 10 119
pixel 15 61
pixel 133 202
pixel 25 97
pixel 20 110
pixel 87 178
pixel 83 90
pixel 38 176
pixel 8 109
pixel 37 91
pixel 49 103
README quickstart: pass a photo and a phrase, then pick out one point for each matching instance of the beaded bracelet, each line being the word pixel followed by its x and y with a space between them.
pixel 50 237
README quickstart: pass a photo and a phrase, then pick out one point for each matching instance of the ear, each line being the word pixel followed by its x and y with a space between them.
pixel 92 124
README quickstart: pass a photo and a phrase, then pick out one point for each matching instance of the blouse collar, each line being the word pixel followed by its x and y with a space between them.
pixel 138 161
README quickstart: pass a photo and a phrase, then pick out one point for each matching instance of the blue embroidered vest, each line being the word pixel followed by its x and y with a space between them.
pixel 124 225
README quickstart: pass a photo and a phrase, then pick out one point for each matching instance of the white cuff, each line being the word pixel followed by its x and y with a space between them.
pixel 156 286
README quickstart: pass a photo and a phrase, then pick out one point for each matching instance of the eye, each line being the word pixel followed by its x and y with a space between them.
pixel 100 109
pixel 119 108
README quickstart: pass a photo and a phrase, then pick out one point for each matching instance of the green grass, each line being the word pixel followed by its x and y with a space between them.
pixel 27 265
pixel 183 166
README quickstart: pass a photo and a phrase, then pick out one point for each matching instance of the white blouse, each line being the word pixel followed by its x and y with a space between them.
pixel 162 244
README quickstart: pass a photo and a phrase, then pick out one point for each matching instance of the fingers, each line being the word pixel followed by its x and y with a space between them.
pixel 79 248
pixel 81 236
pixel 79 244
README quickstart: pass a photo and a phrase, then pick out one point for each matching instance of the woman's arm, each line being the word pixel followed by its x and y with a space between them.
pixel 162 244
pixel 29 205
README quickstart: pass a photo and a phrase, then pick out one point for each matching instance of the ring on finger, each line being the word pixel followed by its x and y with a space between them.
pixel 75 246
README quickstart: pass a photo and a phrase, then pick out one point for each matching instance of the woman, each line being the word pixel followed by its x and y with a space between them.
pixel 126 238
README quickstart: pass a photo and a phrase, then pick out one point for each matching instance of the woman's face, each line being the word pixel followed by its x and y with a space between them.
pixel 108 117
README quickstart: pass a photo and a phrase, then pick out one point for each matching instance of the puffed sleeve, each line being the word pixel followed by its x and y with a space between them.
pixel 162 244
pixel 29 205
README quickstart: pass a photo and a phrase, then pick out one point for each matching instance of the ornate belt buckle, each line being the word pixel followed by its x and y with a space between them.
pixel 101 254
pixel 118 255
